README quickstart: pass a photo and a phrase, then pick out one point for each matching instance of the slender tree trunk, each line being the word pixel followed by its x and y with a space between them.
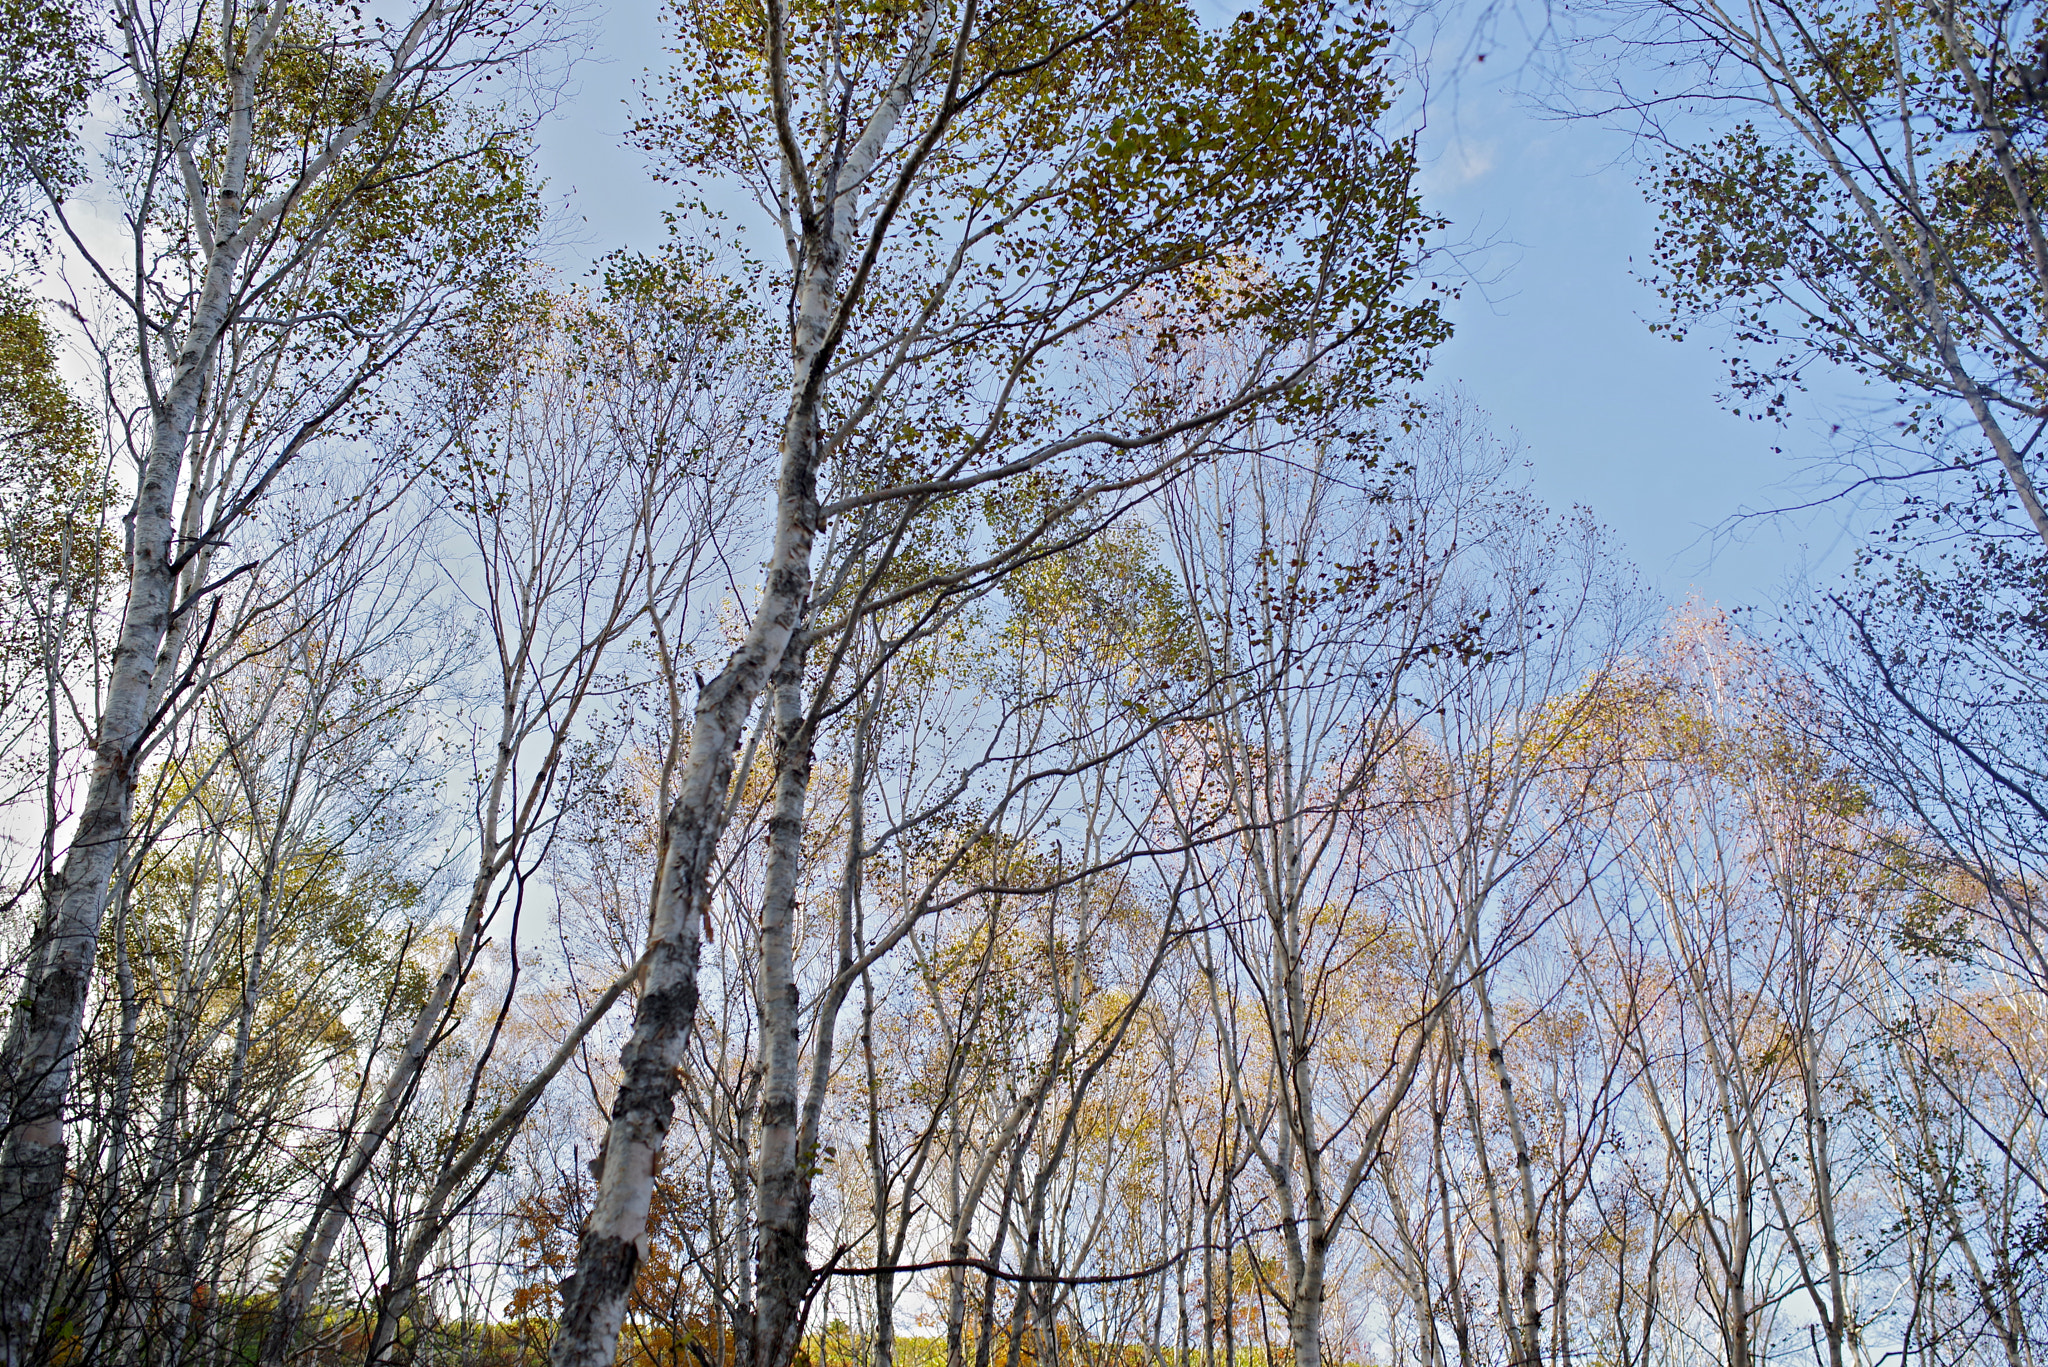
pixel 1528 1334
pixel 1736 1311
pixel 614 1233
pixel 782 1276
pixel 1489 1183
pixel 956 1250
pixel 1454 1266
pixel 1229 1281
pixel 44 1025
pixel 886 1249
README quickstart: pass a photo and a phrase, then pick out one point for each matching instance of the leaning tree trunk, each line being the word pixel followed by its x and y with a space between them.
pixel 48 1016
pixel 614 1234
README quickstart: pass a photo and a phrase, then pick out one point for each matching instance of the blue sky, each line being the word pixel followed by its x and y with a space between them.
pixel 1552 341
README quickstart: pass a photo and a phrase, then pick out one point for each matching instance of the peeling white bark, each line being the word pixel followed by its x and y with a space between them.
pixel 45 1021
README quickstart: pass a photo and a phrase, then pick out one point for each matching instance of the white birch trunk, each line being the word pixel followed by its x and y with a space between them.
pixel 1525 1329
pixel 45 1022
pixel 782 1211
pixel 43 1029
pixel 614 1234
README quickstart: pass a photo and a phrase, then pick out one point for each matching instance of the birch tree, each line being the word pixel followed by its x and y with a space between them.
pixel 598 488
pixel 258 151
pixel 1140 154
pixel 1324 585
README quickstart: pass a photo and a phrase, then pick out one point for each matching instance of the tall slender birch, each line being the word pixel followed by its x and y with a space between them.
pixel 934 290
pixel 199 89
pixel 1319 627
pixel 598 488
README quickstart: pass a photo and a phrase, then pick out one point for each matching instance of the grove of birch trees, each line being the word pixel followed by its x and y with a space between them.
pixel 970 763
